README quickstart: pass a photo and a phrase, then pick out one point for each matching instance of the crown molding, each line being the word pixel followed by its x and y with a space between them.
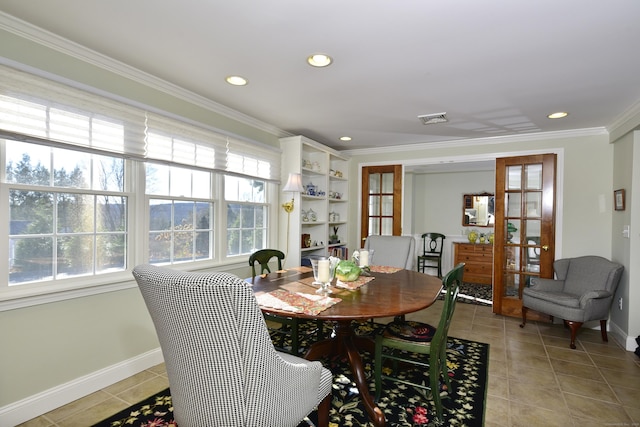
pixel 625 123
pixel 493 140
pixel 59 44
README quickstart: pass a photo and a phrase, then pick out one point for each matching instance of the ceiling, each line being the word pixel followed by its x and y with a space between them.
pixel 495 67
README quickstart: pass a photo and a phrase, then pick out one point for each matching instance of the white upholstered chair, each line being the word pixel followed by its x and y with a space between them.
pixel 222 367
pixel 392 251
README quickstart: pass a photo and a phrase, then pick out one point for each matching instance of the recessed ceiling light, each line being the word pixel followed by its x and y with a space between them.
pixel 236 80
pixel 345 138
pixel 558 115
pixel 319 60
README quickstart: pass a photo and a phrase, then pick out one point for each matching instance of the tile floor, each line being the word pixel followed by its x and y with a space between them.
pixel 535 379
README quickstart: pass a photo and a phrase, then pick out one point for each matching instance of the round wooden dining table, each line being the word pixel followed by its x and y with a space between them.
pixel 388 294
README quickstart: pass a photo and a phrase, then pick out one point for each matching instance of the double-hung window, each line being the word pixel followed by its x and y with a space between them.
pixel 67 213
pixel 247 212
pixel 180 214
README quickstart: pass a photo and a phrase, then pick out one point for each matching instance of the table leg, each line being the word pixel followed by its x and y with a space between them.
pixel 345 343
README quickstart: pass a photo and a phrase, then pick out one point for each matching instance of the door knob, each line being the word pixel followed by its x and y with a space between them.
pixel 545 248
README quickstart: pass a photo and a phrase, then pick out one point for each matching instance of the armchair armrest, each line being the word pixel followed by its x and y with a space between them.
pixel 599 294
pixel 540 284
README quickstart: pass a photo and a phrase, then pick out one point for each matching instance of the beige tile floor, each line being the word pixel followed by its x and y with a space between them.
pixel 534 378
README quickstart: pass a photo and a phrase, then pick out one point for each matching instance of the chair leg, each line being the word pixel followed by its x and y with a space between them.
pixel 294 337
pixel 323 411
pixel 603 330
pixel 524 316
pixel 434 383
pixel 574 326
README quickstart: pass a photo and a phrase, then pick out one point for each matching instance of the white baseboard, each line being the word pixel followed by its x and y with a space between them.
pixel 43 402
pixel 628 342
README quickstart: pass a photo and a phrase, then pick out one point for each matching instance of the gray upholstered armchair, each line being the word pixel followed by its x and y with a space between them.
pixel 583 291
pixel 223 369
pixel 392 251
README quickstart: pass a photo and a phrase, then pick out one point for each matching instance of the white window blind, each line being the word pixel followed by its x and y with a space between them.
pixel 32 106
pixel 38 110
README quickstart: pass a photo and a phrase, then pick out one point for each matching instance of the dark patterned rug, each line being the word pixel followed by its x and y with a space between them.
pixel 402 405
pixel 473 293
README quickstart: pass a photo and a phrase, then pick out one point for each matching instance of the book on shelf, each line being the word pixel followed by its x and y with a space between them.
pixel 341 252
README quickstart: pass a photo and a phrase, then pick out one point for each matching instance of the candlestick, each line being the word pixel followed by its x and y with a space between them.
pixel 364 258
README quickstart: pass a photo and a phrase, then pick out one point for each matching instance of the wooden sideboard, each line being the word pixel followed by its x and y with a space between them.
pixel 478 258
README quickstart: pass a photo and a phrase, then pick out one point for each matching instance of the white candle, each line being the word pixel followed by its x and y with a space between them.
pixel 364 258
pixel 323 270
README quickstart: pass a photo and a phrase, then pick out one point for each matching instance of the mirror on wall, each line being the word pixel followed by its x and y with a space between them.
pixel 478 210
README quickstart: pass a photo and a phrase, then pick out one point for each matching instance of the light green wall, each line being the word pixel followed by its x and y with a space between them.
pixel 623 160
pixel 586 180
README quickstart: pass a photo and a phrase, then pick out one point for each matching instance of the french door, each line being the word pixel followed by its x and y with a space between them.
pixel 381 204
pixel 525 227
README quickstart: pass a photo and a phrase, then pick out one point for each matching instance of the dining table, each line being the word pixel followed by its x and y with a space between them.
pixel 384 292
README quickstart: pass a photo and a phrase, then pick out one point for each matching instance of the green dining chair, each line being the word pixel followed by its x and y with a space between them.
pixel 398 338
pixel 285 326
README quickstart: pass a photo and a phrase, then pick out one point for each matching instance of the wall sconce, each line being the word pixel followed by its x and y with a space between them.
pixel 293 185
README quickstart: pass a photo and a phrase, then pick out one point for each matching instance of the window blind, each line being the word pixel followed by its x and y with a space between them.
pixel 41 111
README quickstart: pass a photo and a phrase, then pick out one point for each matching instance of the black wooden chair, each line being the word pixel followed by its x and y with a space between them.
pixel 431 257
pixel 287 326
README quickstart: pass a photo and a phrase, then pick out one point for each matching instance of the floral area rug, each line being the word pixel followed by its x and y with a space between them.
pixel 403 405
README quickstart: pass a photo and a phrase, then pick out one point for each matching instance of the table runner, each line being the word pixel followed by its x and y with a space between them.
pixel 362 280
pixel 384 269
pixel 297 302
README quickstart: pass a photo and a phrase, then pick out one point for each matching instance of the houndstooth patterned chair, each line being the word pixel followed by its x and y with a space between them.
pixel 223 369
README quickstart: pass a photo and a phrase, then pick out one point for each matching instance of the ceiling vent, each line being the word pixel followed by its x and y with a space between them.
pixel 431 119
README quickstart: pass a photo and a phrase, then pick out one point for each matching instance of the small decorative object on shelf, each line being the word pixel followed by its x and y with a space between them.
pixel 334 237
pixel 306 240
pixel 312 215
pixel 472 236
pixel 482 238
pixel 305 215
pixel 311 189
pixel 491 238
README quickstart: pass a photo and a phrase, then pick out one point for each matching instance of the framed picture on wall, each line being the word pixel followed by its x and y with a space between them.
pixel 618 199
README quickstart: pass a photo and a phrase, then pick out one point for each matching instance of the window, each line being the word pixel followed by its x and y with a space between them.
pixel 67 213
pixel 181 224
pixel 246 215
pixel 93 186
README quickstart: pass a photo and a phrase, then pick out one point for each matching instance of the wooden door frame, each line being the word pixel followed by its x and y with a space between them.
pixel 549 207
pixel 398 171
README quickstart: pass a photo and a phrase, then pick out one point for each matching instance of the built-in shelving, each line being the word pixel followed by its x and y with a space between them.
pixel 324 170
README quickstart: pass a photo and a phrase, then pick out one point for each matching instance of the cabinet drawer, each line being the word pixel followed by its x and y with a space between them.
pixel 478 259
pixel 482 269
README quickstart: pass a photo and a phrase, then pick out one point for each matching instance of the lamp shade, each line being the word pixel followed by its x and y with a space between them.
pixel 294 183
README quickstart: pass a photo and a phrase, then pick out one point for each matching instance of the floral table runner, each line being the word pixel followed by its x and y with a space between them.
pixel 383 269
pixel 297 302
pixel 362 280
